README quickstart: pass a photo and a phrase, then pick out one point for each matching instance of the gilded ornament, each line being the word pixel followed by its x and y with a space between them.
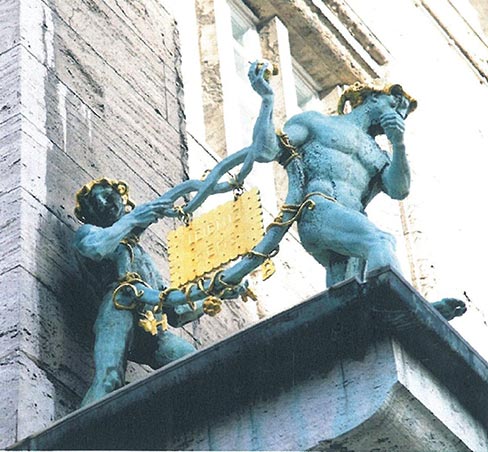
pixel 272 69
pixel 215 238
pixel 212 306
pixel 150 324
pixel 357 93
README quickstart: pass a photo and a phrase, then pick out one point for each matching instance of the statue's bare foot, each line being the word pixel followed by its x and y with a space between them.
pixel 450 307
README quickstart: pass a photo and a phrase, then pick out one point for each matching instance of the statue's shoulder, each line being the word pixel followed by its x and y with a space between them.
pixel 84 231
pixel 307 118
pixel 313 122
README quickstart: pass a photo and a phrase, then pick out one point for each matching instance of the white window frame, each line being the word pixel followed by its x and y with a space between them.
pixel 305 83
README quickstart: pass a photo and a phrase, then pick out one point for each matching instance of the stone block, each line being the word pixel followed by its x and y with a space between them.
pixel 46 244
pixel 108 143
pixel 94 70
pixel 31 398
pixel 173 77
pixel 10 237
pixel 9 402
pixel 96 26
pixel 10 313
pixel 151 22
pixel 173 112
pixel 10 31
pixel 10 158
pixel 56 331
pixel 50 175
pixel 10 88
pixel 42 398
pixel 136 372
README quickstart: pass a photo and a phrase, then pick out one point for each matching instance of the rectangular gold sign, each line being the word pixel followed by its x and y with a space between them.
pixel 215 238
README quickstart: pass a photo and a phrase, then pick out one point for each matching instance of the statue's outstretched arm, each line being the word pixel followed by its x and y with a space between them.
pixel 275 232
pixel 211 185
pixel 396 176
pixel 264 148
pixel 182 305
pixel 96 242
pixel 266 145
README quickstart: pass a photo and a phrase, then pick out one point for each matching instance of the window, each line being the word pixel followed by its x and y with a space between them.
pixel 246 48
pixel 306 90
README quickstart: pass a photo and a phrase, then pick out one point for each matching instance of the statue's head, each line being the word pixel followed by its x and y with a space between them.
pixel 102 202
pixel 359 94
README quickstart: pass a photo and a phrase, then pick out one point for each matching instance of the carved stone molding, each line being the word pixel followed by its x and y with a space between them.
pixel 472 45
pixel 329 41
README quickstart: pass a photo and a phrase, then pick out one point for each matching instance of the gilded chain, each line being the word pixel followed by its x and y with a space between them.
pixel 297 209
pixel 182 215
pixel 127 281
pixel 130 241
pixel 290 152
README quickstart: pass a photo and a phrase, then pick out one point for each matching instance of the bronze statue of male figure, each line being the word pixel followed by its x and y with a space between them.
pixel 126 283
pixel 334 163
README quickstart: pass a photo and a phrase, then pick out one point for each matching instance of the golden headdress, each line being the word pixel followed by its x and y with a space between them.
pixel 84 192
pixel 356 94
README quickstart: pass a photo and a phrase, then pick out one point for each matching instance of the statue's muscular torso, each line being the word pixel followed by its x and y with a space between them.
pixel 339 159
pixel 105 273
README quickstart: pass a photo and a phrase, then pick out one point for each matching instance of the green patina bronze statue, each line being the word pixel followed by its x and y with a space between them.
pixel 335 168
pixel 121 274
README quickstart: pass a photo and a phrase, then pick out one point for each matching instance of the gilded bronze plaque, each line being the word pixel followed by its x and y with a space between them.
pixel 215 238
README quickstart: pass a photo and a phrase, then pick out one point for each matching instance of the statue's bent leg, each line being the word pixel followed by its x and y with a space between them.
pixel 170 348
pixel 333 227
pixel 113 334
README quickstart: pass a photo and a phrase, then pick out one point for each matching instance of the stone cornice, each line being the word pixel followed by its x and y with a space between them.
pixel 329 41
pixel 460 33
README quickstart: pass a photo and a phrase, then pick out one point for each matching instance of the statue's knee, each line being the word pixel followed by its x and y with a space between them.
pixel 113 379
pixel 384 240
pixel 171 348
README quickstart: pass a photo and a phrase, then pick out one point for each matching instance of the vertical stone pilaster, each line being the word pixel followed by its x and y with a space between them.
pixel 88 90
pixel 275 46
pixel 213 95
pixel 420 257
pixel 10 217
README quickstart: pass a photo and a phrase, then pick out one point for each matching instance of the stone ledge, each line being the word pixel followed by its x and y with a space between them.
pixel 332 49
pixel 362 365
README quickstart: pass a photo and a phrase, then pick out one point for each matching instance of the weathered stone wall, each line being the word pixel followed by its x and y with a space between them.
pixel 89 89
pixel 441 61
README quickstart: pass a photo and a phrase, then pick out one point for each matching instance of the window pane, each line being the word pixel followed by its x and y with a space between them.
pixel 307 94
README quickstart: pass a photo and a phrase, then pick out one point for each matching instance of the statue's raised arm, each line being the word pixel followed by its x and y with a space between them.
pixel 265 143
pixel 335 168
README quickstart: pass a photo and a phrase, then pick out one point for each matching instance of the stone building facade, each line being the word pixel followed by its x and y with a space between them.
pixel 89 89
pixel 436 49
pixel 154 92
